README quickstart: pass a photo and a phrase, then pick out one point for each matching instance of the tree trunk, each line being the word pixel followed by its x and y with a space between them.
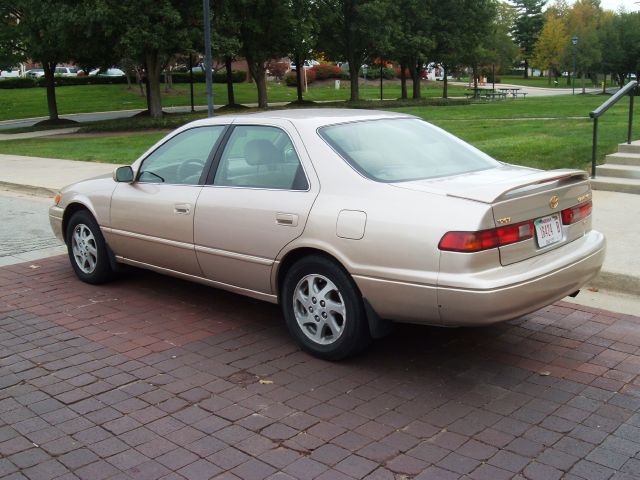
pixel 526 68
pixel 403 81
pixel 231 96
pixel 445 82
pixel 474 70
pixel 299 67
pixel 154 103
pixel 415 77
pixel 49 69
pixel 353 80
pixel 258 72
pixel 129 87
pixel 583 86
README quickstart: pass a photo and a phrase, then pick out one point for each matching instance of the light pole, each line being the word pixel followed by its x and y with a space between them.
pixel 574 42
pixel 207 55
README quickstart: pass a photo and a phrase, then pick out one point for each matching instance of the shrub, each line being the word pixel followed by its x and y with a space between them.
pixel 374 73
pixel 237 76
pixel 290 78
pixel 18 82
pixel 86 80
pixel 278 69
pixel 325 71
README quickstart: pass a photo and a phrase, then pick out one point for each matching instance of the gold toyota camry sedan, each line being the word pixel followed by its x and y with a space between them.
pixel 351 220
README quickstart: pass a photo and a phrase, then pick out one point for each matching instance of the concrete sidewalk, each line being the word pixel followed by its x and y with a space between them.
pixel 613 214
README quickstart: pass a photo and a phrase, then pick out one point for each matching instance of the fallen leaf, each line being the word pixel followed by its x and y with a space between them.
pixel 545 374
pixel 34 266
pixel 265 382
pixel 593 289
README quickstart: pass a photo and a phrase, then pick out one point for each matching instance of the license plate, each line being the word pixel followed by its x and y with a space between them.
pixel 548 230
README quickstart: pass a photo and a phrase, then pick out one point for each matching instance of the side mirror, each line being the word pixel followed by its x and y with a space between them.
pixel 123 174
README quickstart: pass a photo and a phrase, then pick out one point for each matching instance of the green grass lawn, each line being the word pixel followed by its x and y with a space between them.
pixel 32 102
pixel 542 132
pixel 116 148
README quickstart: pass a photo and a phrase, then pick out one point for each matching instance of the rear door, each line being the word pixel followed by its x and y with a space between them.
pixel 257 202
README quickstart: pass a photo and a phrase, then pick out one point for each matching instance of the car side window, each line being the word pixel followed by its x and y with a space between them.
pixel 260 157
pixel 182 159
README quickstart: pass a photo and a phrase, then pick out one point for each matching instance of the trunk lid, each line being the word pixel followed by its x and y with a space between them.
pixel 516 195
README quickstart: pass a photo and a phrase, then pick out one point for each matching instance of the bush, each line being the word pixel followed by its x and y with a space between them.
pixel 87 80
pixel 18 82
pixel 325 71
pixel 278 69
pixel 290 78
pixel 374 73
pixel 237 76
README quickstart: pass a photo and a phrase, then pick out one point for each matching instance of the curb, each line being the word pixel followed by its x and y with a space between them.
pixel 29 189
pixel 616 282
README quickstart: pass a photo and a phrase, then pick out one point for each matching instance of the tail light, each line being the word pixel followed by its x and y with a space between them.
pixel 577 213
pixel 485 239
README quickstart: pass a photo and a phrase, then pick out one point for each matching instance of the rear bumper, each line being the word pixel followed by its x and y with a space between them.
pixel 463 306
pixel 492 296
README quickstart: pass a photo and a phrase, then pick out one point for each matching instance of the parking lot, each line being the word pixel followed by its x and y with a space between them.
pixel 151 377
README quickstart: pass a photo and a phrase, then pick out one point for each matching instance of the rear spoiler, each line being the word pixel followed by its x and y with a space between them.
pixel 497 191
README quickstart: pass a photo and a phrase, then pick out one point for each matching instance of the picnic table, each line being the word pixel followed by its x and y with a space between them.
pixel 486 93
pixel 513 91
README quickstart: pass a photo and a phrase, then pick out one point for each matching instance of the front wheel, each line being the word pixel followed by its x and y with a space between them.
pixel 323 309
pixel 87 249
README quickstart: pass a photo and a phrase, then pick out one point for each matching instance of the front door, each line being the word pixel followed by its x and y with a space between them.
pixel 152 218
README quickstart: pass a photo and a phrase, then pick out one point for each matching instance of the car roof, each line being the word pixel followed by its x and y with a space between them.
pixel 315 117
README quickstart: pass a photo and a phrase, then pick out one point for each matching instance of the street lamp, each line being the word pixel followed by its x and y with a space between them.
pixel 207 55
pixel 574 42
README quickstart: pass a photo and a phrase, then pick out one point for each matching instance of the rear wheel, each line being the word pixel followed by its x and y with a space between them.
pixel 87 249
pixel 323 309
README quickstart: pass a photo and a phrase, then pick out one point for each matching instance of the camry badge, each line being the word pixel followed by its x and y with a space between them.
pixel 584 197
pixel 553 202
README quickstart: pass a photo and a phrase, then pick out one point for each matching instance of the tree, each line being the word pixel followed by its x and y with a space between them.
pixel 462 29
pixel 498 42
pixel 302 36
pixel 412 39
pixel 10 51
pixel 50 32
pixel 583 22
pixel 348 30
pixel 527 27
pixel 550 49
pixel 225 41
pixel 262 27
pixel 150 31
pixel 620 40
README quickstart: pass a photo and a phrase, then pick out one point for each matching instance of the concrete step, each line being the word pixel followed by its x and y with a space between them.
pixel 620 158
pixel 620 171
pixel 622 185
pixel 633 147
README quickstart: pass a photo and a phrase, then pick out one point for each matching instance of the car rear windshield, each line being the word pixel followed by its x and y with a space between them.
pixel 404 149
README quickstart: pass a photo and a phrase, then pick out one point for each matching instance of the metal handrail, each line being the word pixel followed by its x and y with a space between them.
pixel 598 112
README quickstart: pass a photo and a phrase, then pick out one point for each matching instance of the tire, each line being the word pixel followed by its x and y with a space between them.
pixel 323 309
pixel 87 249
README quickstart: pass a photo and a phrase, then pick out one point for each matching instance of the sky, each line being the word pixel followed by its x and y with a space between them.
pixel 629 5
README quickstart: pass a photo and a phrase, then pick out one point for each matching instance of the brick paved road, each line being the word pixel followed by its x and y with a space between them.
pixel 150 377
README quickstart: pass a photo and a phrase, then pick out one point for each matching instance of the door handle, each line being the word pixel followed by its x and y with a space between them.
pixel 182 208
pixel 287 219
